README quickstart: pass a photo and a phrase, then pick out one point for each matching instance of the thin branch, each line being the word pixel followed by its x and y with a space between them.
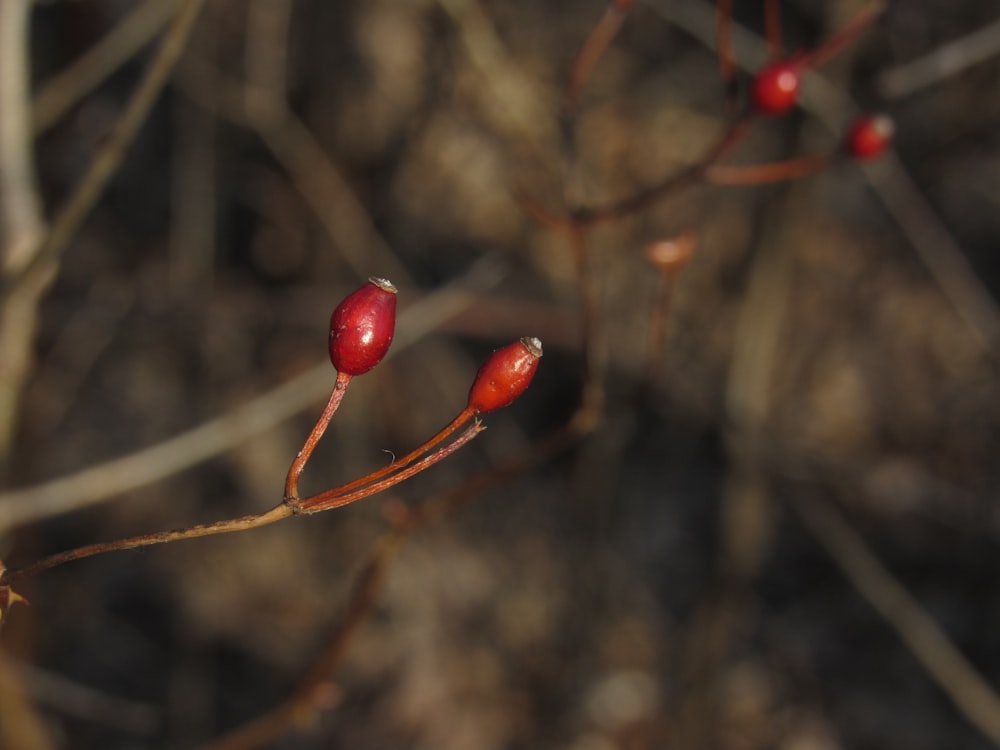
pixel 337 498
pixel 21 224
pixel 243 523
pixel 64 90
pixel 942 63
pixel 955 675
pixel 761 174
pixel 113 151
pixel 590 53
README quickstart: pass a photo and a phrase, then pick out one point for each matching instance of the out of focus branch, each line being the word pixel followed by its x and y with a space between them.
pixel 58 95
pixel 21 225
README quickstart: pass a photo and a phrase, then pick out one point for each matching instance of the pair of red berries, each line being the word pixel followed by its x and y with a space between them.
pixel 775 91
pixel 362 327
pixel 361 330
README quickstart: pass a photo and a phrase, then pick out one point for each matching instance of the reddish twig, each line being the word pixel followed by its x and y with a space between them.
pixel 590 53
pixel 295 470
pixel 761 174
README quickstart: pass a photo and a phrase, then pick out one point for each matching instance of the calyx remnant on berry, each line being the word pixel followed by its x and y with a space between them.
pixel 362 326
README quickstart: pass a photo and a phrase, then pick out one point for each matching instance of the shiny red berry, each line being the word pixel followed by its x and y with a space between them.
pixel 869 136
pixel 775 88
pixel 505 375
pixel 362 326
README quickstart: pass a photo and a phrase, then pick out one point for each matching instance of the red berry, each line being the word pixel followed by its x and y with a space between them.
pixel 869 136
pixel 505 375
pixel 775 88
pixel 361 327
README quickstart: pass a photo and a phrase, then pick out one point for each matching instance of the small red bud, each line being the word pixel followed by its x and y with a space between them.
pixel 869 136
pixel 775 88
pixel 505 375
pixel 362 326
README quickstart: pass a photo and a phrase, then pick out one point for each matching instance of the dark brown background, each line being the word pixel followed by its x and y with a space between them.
pixel 651 588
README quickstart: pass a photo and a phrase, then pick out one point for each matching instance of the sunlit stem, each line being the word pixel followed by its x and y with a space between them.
pixel 295 470
pixel 408 459
pixel 336 497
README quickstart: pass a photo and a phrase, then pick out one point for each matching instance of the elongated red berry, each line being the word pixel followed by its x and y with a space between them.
pixel 869 136
pixel 505 375
pixel 362 326
pixel 775 88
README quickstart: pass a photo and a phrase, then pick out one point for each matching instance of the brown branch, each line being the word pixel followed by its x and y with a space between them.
pixel 977 701
pixel 64 90
pixel 113 151
pixel 20 218
pixel 228 526
pixel 590 53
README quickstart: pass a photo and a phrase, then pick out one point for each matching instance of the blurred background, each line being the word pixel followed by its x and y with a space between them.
pixel 798 426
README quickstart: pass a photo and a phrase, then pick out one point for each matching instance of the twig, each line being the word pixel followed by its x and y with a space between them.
pixel 590 53
pixel 954 674
pixel 20 217
pixel 761 174
pixel 944 62
pixel 111 154
pixel 59 94
pixel 243 523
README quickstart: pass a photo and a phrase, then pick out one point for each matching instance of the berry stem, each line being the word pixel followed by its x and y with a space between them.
pixel 593 48
pixel 336 498
pixel 772 24
pixel 406 460
pixel 851 31
pixel 295 470
pixel 761 174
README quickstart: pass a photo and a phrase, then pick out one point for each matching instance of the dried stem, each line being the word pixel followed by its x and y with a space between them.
pixel 590 216
pixel 845 36
pixel 111 154
pixel 406 460
pixel 303 456
pixel 947 666
pixel 761 174
pixel 20 217
pixel 100 61
pixel 308 697
pixel 336 498
pixel 146 540
pixel 593 48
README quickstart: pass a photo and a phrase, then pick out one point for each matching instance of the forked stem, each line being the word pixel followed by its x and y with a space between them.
pixel 464 416
pixel 337 498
